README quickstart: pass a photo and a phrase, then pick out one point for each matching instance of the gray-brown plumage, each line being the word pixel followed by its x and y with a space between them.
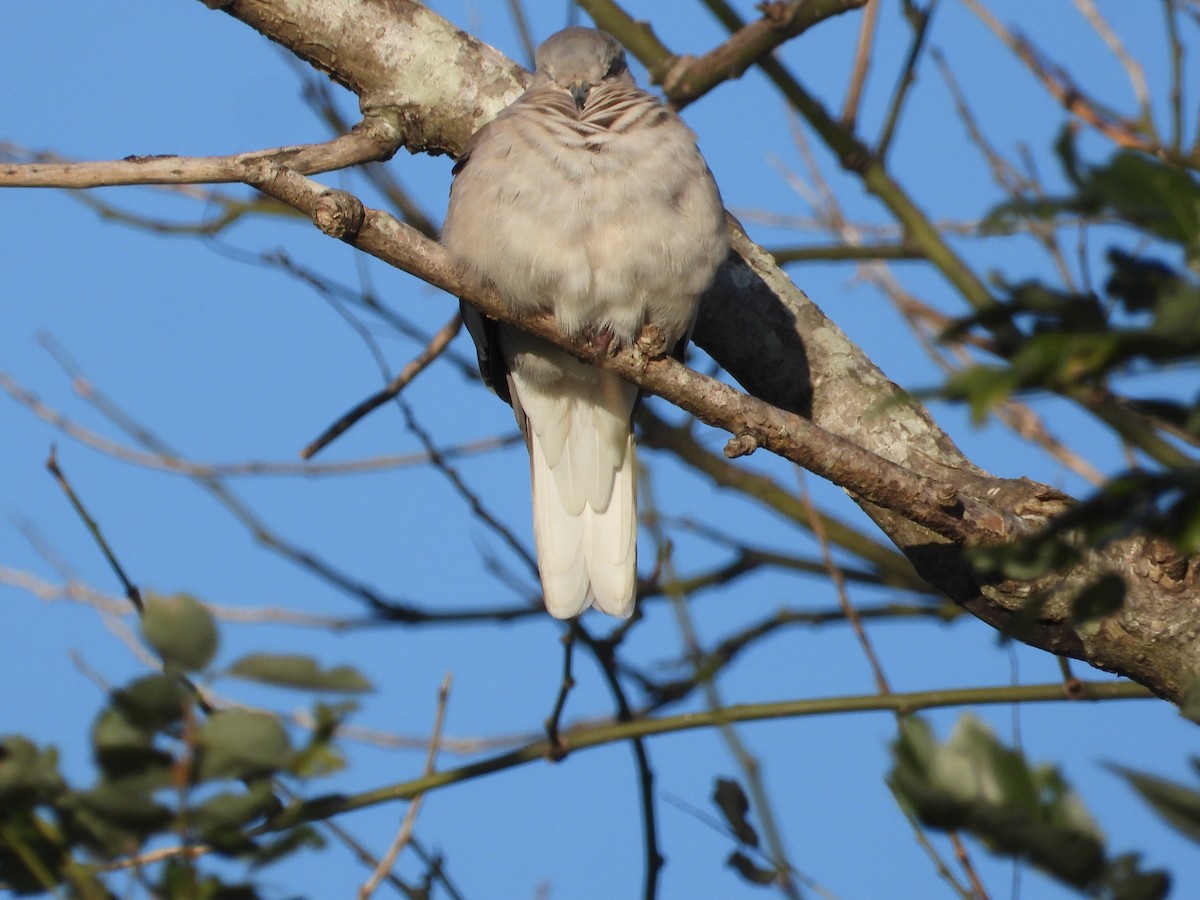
pixel 589 198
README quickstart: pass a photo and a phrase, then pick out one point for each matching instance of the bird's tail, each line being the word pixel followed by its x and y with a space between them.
pixel 584 474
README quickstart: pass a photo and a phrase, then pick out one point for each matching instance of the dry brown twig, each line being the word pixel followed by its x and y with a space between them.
pixel 404 835
pixel 374 138
pixel 1121 130
pixel 195 469
pixel 862 64
pixel 415 367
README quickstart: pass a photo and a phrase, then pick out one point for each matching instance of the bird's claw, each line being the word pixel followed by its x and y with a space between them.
pixel 651 341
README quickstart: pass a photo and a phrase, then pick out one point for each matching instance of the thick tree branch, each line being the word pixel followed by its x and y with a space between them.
pixel 935 505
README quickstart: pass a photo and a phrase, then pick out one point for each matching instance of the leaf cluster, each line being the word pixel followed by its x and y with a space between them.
pixel 973 783
pixel 170 769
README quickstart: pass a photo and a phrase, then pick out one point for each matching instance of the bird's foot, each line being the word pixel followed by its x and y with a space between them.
pixel 603 342
pixel 651 341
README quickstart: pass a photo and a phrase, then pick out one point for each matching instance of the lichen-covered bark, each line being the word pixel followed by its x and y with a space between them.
pixel 440 84
pixel 398 56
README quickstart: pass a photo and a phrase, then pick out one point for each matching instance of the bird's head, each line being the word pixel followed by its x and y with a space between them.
pixel 578 60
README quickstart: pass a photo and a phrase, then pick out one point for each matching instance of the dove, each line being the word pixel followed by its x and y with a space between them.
pixel 589 199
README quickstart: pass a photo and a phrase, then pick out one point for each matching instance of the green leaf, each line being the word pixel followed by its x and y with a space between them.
pixel 219 820
pixel 124 749
pixel 1023 560
pixel 238 743
pixel 294 671
pixel 1124 880
pixel 180 630
pixel 319 756
pixel 983 387
pixel 28 774
pixel 116 817
pixel 1176 803
pixel 731 800
pixel 30 863
pixel 129 810
pixel 1102 598
pixel 179 879
pixel 974 783
pixel 287 844
pixel 153 703
pixel 1154 195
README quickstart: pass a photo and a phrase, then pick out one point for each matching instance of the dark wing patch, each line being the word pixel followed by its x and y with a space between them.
pixel 485 333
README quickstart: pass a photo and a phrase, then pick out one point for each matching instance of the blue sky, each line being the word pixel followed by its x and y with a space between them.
pixel 231 361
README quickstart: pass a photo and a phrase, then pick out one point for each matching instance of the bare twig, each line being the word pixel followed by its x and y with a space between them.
pixel 383 607
pixel 603 734
pixel 517 10
pixel 1133 69
pixel 750 766
pixel 919 20
pixel 435 348
pixel 1177 69
pixel 862 63
pixel 473 500
pixel 843 596
pixel 162 463
pixel 374 138
pixel 559 748
pixel 388 862
pixel 131 590
pixel 1121 130
pixel 605 654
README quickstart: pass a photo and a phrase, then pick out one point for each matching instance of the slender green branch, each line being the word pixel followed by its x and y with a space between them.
pixel 615 732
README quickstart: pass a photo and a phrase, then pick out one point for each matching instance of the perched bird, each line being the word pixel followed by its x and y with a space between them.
pixel 588 198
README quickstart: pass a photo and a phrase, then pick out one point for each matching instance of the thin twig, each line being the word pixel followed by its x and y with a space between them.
pixel 375 138
pixel 473 500
pixel 862 63
pixel 605 654
pixel 305 559
pixel 1119 129
pixel 1133 69
pixel 590 736
pixel 558 746
pixel 517 10
pixel 978 891
pixel 1177 69
pixel 131 590
pixel 440 342
pixel 839 585
pixel 919 20
pixel 404 835
pixel 86 436
pixel 749 764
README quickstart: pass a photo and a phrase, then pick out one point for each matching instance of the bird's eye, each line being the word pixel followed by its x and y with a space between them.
pixel 617 67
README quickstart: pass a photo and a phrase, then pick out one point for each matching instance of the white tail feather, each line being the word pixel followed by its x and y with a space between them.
pixel 583 470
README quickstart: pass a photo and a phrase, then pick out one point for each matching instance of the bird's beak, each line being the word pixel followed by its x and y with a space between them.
pixel 579 90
